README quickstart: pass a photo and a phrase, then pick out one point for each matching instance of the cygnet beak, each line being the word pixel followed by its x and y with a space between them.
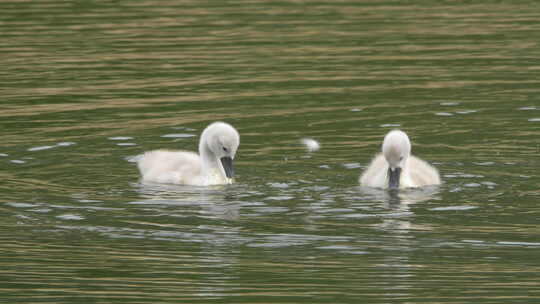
pixel 227 164
pixel 393 177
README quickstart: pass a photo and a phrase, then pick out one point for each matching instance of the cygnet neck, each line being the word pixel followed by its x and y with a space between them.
pixel 209 161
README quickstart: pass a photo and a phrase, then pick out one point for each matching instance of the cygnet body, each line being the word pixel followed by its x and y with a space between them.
pixel 396 168
pixel 212 166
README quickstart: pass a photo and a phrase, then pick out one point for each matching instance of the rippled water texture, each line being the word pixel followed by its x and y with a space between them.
pixel 87 86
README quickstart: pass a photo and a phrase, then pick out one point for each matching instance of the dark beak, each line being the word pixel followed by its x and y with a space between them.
pixel 227 163
pixel 393 177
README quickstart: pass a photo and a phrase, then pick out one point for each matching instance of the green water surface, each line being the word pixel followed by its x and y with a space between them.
pixel 87 85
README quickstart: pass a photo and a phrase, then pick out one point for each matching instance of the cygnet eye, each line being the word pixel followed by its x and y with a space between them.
pixel 400 158
pixel 225 149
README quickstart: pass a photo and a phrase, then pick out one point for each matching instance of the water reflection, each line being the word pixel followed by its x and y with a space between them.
pixel 399 202
pixel 403 197
pixel 212 202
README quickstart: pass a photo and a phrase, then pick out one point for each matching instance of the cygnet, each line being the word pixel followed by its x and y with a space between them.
pixel 396 168
pixel 212 166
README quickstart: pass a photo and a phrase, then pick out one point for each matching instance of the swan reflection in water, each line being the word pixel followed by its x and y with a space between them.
pixel 398 202
pixel 400 198
pixel 217 201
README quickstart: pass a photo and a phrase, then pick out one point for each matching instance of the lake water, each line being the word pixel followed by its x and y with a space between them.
pixel 87 85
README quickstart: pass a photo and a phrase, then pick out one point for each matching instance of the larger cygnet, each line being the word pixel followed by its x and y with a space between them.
pixel 212 166
pixel 396 168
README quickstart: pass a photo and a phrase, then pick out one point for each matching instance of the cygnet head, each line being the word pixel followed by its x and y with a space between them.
pixel 396 149
pixel 222 141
